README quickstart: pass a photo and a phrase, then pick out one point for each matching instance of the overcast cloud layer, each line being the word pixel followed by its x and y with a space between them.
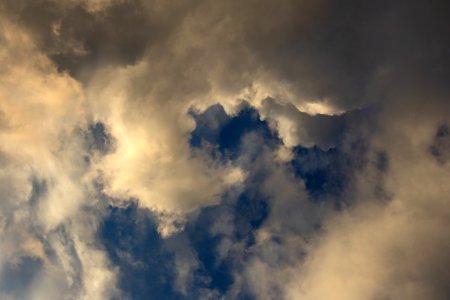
pixel 287 149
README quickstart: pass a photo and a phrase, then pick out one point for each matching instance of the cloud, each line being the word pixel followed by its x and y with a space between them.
pixel 386 251
pixel 152 160
pixel 43 178
pixel 373 247
pixel 290 149
pixel 80 35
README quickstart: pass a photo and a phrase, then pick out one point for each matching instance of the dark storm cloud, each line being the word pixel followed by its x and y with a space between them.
pixel 76 37
pixel 342 51
pixel 346 53
pixel 323 48
pixel 349 54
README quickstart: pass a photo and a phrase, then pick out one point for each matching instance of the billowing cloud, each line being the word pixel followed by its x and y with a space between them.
pixel 45 180
pixel 224 150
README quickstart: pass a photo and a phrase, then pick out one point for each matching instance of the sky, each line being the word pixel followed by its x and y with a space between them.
pixel 241 149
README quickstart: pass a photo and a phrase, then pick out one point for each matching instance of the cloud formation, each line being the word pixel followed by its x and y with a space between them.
pixel 45 180
pixel 224 150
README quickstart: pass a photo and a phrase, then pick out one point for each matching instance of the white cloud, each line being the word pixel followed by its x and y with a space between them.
pixel 41 148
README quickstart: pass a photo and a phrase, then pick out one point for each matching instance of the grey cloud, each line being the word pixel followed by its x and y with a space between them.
pixel 16 278
pixel 440 147
pixel 77 38
pixel 345 53
pixel 299 128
